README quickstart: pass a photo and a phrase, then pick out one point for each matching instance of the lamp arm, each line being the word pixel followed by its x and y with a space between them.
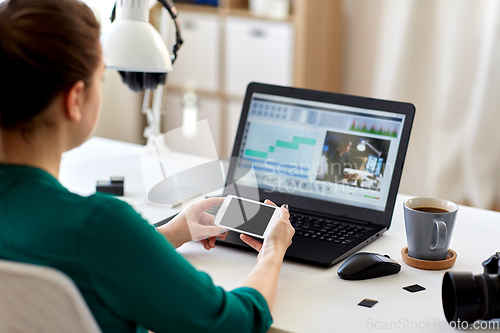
pixel 113 14
pixel 379 153
pixel 169 5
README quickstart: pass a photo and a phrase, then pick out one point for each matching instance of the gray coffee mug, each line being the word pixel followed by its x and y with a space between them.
pixel 429 233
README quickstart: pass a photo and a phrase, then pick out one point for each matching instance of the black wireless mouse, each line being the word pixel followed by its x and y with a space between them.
pixel 364 265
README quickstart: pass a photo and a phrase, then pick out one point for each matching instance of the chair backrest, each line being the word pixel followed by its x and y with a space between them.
pixel 41 299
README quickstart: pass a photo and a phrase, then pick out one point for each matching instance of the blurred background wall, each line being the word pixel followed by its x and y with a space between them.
pixel 444 57
pixel 441 55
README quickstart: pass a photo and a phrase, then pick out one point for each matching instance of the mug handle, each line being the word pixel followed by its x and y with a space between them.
pixel 442 235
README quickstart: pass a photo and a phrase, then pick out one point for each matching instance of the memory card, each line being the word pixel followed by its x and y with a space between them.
pixel 414 288
pixel 368 302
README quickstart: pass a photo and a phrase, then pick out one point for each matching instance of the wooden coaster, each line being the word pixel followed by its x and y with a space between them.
pixel 429 264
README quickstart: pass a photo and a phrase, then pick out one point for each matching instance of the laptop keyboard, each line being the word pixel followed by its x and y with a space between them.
pixel 326 230
pixel 322 229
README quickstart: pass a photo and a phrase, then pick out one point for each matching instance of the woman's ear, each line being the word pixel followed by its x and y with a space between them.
pixel 73 101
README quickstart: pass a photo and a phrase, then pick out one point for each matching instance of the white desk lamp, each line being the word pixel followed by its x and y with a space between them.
pixel 362 147
pixel 137 50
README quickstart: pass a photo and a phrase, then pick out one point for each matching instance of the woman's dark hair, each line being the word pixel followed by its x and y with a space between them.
pixel 345 140
pixel 46 46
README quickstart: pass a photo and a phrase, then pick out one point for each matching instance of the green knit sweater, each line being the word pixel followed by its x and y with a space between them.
pixel 129 274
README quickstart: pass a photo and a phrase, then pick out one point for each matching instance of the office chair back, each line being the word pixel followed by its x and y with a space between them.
pixel 41 299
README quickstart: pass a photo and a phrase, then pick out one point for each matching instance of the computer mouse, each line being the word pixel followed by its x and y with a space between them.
pixel 364 265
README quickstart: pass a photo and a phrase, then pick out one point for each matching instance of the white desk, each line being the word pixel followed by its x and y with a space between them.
pixel 310 299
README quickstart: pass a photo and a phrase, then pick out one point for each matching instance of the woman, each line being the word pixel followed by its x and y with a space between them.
pixel 128 272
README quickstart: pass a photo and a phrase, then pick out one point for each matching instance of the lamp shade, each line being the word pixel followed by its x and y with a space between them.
pixel 362 146
pixel 132 44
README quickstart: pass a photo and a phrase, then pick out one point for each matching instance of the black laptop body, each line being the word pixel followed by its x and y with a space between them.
pixel 338 211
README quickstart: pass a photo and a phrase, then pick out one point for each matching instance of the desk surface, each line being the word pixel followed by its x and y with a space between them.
pixel 310 299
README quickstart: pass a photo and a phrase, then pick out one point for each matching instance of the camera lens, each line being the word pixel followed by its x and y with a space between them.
pixel 468 297
pixel 462 297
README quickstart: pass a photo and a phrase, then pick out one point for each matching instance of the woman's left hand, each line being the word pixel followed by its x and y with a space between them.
pixel 193 223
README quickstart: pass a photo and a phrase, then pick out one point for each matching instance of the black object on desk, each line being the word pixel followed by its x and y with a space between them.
pixel 114 186
pixel 364 265
pixel 368 302
pixel 468 298
pixel 414 288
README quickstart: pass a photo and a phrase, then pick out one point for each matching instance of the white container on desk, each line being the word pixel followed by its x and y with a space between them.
pixel 257 50
pixel 208 108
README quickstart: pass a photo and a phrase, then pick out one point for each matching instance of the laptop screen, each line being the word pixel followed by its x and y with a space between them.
pixel 330 152
pixel 374 164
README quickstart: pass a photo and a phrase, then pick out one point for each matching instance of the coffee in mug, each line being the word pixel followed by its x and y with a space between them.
pixel 429 225
pixel 431 210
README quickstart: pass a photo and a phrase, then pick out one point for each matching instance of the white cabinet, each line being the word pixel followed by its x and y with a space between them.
pixel 238 50
pixel 197 63
pixel 257 50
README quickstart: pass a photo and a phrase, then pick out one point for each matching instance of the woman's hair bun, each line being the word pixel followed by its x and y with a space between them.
pixel 46 46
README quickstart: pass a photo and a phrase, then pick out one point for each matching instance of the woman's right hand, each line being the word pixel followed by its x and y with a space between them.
pixel 278 238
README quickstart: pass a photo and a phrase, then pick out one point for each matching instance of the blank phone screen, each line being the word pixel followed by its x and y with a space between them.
pixel 247 216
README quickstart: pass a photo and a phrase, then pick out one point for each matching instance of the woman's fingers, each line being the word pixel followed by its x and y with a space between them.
pixel 207 219
pixel 269 202
pixel 209 203
pixel 211 242
pixel 205 244
pixel 208 243
pixel 252 242
pixel 285 212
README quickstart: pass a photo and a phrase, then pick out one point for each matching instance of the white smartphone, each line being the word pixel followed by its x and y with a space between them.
pixel 246 216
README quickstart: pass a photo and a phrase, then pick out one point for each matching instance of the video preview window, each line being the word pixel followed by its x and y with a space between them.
pixel 353 160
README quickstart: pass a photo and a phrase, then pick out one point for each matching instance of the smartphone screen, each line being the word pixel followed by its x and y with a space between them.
pixel 247 216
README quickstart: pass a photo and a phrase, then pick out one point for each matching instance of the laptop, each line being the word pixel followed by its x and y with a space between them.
pixel 335 159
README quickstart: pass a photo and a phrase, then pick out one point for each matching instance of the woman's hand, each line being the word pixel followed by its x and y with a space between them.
pixel 194 224
pixel 264 277
pixel 278 239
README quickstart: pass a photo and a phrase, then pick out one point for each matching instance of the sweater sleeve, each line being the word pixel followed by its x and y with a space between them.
pixel 139 276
